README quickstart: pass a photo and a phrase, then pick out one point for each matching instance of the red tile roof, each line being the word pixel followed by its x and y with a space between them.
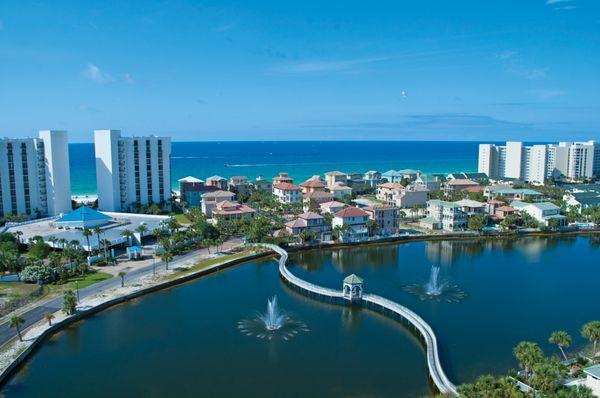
pixel 474 189
pixel 506 208
pixel 312 183
pixel 318 195
pixel 351 212
pixel 284 186
pixel 391 185
pixel 310 216
pixel 297 223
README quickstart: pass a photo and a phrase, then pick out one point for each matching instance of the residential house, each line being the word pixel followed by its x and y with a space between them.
pixel 445 215
pixel 313 184
pixel 331 207
pixel 287 193
pixel 583 195
pixel 355 180
pixel 386 217
pixel 209 200
pixel 433 182
pixel 392 176
pixel 481 178
pixel 309 221
pixel 353 223
pixel 459 184
pixel 334 177
pixel 542 212
pixel 316 198
pixel 372 178
pixel 503 211
pixel 262 184
pixel 523 194
pixel 239 185
pixel 217 182
pixel 191 189
pixel 283 178
pixel 493 204
pixel 404 197
pixel 227 211
pixel 472 207
pixel 340 191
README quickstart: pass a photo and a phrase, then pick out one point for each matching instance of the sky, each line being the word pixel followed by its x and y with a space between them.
pixel 304 70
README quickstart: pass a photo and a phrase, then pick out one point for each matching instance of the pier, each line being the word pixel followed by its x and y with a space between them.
pixel 379 304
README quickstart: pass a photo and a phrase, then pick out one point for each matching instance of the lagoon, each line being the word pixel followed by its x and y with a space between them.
pixel 185 341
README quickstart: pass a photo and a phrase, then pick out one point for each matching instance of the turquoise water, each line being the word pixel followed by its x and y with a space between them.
pixel 302 159
pixel 185 341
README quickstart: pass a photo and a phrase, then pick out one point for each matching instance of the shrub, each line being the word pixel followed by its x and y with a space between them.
pixel 38 274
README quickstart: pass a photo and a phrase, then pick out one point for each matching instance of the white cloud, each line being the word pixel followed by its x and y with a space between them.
pixel 95 74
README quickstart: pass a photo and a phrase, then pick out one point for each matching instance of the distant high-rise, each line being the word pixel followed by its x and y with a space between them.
pixel 131 170
pixel 537 163
pixel 34 175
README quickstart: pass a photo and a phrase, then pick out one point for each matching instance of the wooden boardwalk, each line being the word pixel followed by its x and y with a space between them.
pixel 380 304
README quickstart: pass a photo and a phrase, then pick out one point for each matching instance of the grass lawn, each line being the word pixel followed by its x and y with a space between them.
pixel 83 280
pixel 17 289
pixel 182 218
pixel 207 263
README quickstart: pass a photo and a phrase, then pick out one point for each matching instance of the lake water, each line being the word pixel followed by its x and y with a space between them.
pixel 185 341
pixel 301 159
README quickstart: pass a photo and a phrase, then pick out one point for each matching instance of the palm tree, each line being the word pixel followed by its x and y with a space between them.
pixel 591 331
pixel 18 235
pixel 127 234
pixel 122 276
pixel 528 354
pixel 69 302
pixel 87 233
pixel 141 229
pixel 562 340
pixel 49 317
pixel 97 232
pixel 16 322
pixel 63 242
pixel 104 243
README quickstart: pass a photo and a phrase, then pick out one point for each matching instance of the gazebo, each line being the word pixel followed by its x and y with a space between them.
pixel 353 287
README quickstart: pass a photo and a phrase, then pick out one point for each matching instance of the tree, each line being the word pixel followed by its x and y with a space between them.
pixel 49 317
pixel 547 375
pixel 371 226
pixel 574 392
pixel 97 232
pixel 69 303
pixel 166 256
pixel 510 221
pixel 141 229
pixel 489 386
pixel 87 233
pixel 528 354
pixel 476 222
pixel 562 340
pixel 38 249
pixel 258 230
pixel 127 234
pixel 591 331
pixel 122 276
pixel 16 322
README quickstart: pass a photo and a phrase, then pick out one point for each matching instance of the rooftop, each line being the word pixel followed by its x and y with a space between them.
pixel 83 214
pixel 470 203
pixel 190 179
pixel 333 203
pixel 312 183
pixel 593 371
pixel 219 194
pixel 462 181
pixel 285 186
pixel 517 191
pixel 353 279
pixel 216 178
pixel 310 215
pixel 335 173
pixel 351 212
pixel 318 195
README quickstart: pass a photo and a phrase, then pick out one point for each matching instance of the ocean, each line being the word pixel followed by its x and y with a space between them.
pixel 301 159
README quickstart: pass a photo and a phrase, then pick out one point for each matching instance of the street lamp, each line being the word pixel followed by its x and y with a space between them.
pixel 154 263
pixel 77 289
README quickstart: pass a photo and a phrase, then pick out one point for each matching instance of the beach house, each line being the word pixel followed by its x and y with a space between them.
pixel 400 196
pixel 352 224
pixel 287 193
pixel 386 218
pixel 309 222
pixel 445 215
pixel 209 200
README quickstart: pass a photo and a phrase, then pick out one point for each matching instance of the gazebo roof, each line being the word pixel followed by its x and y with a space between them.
pixel 353 279
pixel 83 214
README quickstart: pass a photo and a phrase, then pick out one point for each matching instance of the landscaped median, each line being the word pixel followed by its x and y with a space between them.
pixel 15 352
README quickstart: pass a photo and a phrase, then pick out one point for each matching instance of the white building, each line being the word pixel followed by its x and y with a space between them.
pixel 353 223
pixel 446 215
pixel 34 175
pixel 537 163
pixel 131 170
pixel 287 193
pixel 542 212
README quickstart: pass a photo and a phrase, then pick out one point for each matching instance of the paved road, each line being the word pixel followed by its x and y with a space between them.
pixel 36 314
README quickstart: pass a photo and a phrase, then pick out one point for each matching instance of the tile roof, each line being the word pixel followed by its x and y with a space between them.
pixel 353 279
pixel 333 203
pixel 351 212
pixel 391 185
pixel 462 181
pixel 318 195
pixel 505 208
pixel 216 178
pixel 297 223
pixel 310 215
pixel 312 183
pixel 285 186
pixel 335 173
pixel 219 194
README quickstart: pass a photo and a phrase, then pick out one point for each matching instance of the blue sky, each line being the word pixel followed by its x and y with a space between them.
pixel 275 70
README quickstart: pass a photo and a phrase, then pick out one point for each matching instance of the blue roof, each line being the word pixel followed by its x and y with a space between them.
pixel 133 249
pixel 82 214
pixel 515 191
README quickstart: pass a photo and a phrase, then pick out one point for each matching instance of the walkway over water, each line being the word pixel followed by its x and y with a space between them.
pixel 380 304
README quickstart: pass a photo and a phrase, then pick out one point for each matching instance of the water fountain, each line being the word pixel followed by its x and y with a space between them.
pixel 436 288
pixel 272 324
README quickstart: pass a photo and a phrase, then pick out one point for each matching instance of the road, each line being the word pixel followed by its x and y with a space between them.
pixel 37 313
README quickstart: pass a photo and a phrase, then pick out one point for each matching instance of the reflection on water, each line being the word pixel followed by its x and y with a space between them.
pixel 272 324
pixel 348 260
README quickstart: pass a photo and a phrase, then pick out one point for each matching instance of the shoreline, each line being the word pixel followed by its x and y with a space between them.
pixel 49 331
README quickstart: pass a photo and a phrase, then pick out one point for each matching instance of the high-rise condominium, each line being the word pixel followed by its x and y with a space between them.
pixel 131 170
pixel 34 175
pixel 537 163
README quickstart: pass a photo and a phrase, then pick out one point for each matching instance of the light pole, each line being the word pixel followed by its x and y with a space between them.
pixel 154 262
pixel 77 289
